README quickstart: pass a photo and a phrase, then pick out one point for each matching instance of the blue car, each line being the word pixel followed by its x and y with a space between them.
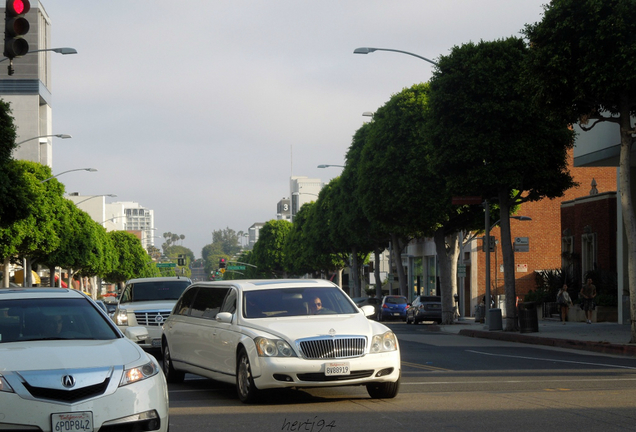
pixel 393 307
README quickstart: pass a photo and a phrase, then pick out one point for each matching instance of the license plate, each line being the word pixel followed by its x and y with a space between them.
pixel 341 368
pixel 396 313
pixel 156 343
pixel 74 421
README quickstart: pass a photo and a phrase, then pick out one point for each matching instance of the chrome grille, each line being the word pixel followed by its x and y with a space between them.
pixel 332 347
pixel 151 318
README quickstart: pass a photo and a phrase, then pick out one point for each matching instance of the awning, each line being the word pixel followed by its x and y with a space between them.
pixel 19 278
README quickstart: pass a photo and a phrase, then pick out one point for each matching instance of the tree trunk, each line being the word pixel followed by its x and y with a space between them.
pixel 508 263
pixel 354 279
pixel 376 272
pixel 397 258
pixel 629 220
pixel 5 272
pixel 447 249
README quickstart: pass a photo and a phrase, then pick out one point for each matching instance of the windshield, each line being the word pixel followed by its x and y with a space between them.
pixel 156 290
pixel 42 319
pixel 296 302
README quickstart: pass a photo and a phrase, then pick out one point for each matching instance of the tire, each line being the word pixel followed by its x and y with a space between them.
pixel 408 321
pixel 380 319
pixel 173 376
pixel 384 390
pixel 245 387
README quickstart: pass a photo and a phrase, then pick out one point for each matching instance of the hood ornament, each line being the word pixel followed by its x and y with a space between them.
pixel 332 332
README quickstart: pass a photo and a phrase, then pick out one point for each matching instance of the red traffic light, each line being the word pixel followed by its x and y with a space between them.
pixel 18 7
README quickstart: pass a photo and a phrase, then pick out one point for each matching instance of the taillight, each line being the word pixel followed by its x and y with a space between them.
pixel 384 306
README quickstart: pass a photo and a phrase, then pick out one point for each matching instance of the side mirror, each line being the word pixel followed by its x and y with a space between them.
pixel 368 310
pixel 224 317
pixel 136 334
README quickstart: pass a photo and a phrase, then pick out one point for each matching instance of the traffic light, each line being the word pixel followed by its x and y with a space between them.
pixel 221 263
pixel 181 260
pixel 16 26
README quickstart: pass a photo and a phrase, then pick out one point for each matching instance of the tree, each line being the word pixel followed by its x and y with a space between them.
pixel 132 260
pixel 481 115
pixel 268 250
pixel 582 64
pixel 15 194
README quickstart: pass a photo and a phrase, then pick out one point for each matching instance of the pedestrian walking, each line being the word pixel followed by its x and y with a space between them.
pixel 564 301
pixel 588 293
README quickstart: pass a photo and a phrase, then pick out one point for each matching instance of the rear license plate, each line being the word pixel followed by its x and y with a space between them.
pixel 156 343
pixel 396 313
pixel 341 368
pixel 75 421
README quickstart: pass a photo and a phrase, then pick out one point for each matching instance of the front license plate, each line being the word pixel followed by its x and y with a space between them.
pixel 156 343
pixel 341 368
pixel 74 421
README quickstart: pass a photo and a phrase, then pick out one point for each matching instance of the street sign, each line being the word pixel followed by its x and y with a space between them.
pixel 222 270
pixel 239 267
pixel 166 265
pixel 461 270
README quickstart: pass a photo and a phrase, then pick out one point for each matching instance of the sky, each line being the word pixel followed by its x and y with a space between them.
pixel 203 110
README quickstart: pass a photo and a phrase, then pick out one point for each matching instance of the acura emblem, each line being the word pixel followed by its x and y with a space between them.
pixel 68 381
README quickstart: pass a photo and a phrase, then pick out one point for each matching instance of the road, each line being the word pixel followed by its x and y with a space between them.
pixel 449 383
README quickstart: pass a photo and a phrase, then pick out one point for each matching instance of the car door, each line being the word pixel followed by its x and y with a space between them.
pixel 227 336
pixel 203 328
pixel 176 329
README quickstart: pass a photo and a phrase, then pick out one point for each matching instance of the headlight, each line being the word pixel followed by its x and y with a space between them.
pixel 4 385
pixel 121 318
pixel 139 373
pixel 384 342
pixel 273 348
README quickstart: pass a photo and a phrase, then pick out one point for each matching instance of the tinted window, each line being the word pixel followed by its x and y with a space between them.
pixel 183 305
pixel 156 290
pixel 41 319
pixel 395 300
pixel 208 302
pixel 230 302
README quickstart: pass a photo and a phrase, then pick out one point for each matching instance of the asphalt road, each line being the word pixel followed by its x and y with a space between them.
pixel 449 383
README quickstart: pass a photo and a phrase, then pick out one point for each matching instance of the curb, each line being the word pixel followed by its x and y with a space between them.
pixel 601 347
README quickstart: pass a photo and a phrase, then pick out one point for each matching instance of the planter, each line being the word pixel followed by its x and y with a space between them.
pixel 576 314
pixel 606 314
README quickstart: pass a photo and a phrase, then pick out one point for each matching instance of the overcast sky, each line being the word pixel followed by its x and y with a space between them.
pixel 202 110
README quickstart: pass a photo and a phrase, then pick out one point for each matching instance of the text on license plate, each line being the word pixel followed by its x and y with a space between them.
pixel 340 368
pixel 73 421
pixel 156 343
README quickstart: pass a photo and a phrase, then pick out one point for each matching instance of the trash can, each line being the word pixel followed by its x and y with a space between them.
pixel 528 321
pixel 479 313
pixel 494 319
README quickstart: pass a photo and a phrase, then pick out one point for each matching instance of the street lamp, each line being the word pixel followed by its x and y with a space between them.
pixel 326 166
pixel 111 219
pixel 64 172
pixel 63 136
pixel 367 50
pixel 95 196
pixel 63 51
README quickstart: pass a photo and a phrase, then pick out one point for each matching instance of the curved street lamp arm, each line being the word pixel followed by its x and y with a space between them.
pixel 367 50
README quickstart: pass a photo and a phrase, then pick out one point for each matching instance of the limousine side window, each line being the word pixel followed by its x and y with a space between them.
pixel 208 302
pixel 183 305
pixel 230 302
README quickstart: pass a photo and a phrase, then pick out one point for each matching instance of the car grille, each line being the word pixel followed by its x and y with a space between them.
pixel 151 318
pixel 68 395
pixel 332 347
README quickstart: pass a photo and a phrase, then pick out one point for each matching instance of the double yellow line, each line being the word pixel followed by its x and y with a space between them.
pixel 425 367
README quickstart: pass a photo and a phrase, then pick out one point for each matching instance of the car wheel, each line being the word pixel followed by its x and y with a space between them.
pixel 408 321
pixel 245 387
pixel 172 375
pixel 385 390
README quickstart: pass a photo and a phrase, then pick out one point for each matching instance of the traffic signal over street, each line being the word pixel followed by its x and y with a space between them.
pixel 221 263
pixel 16 26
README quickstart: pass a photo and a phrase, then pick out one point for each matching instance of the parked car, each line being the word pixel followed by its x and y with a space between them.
pixel 425 308
pixel 65 366
pixel 393 307
pixel 373 301
pixel 267 334
pixel 147 302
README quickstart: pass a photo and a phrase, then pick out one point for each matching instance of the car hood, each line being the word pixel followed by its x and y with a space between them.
pixel 60 354
pixel 293 328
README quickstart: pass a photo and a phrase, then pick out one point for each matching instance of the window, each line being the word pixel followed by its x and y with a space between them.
pixel 588 252
pixel 183 305
pixel 208 302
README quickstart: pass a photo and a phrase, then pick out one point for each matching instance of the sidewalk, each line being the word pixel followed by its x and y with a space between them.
pixel 604 337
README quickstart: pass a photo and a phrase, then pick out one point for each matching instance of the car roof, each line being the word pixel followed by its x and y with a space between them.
pixel 258 284
pixel 158 279
pixel 40 292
